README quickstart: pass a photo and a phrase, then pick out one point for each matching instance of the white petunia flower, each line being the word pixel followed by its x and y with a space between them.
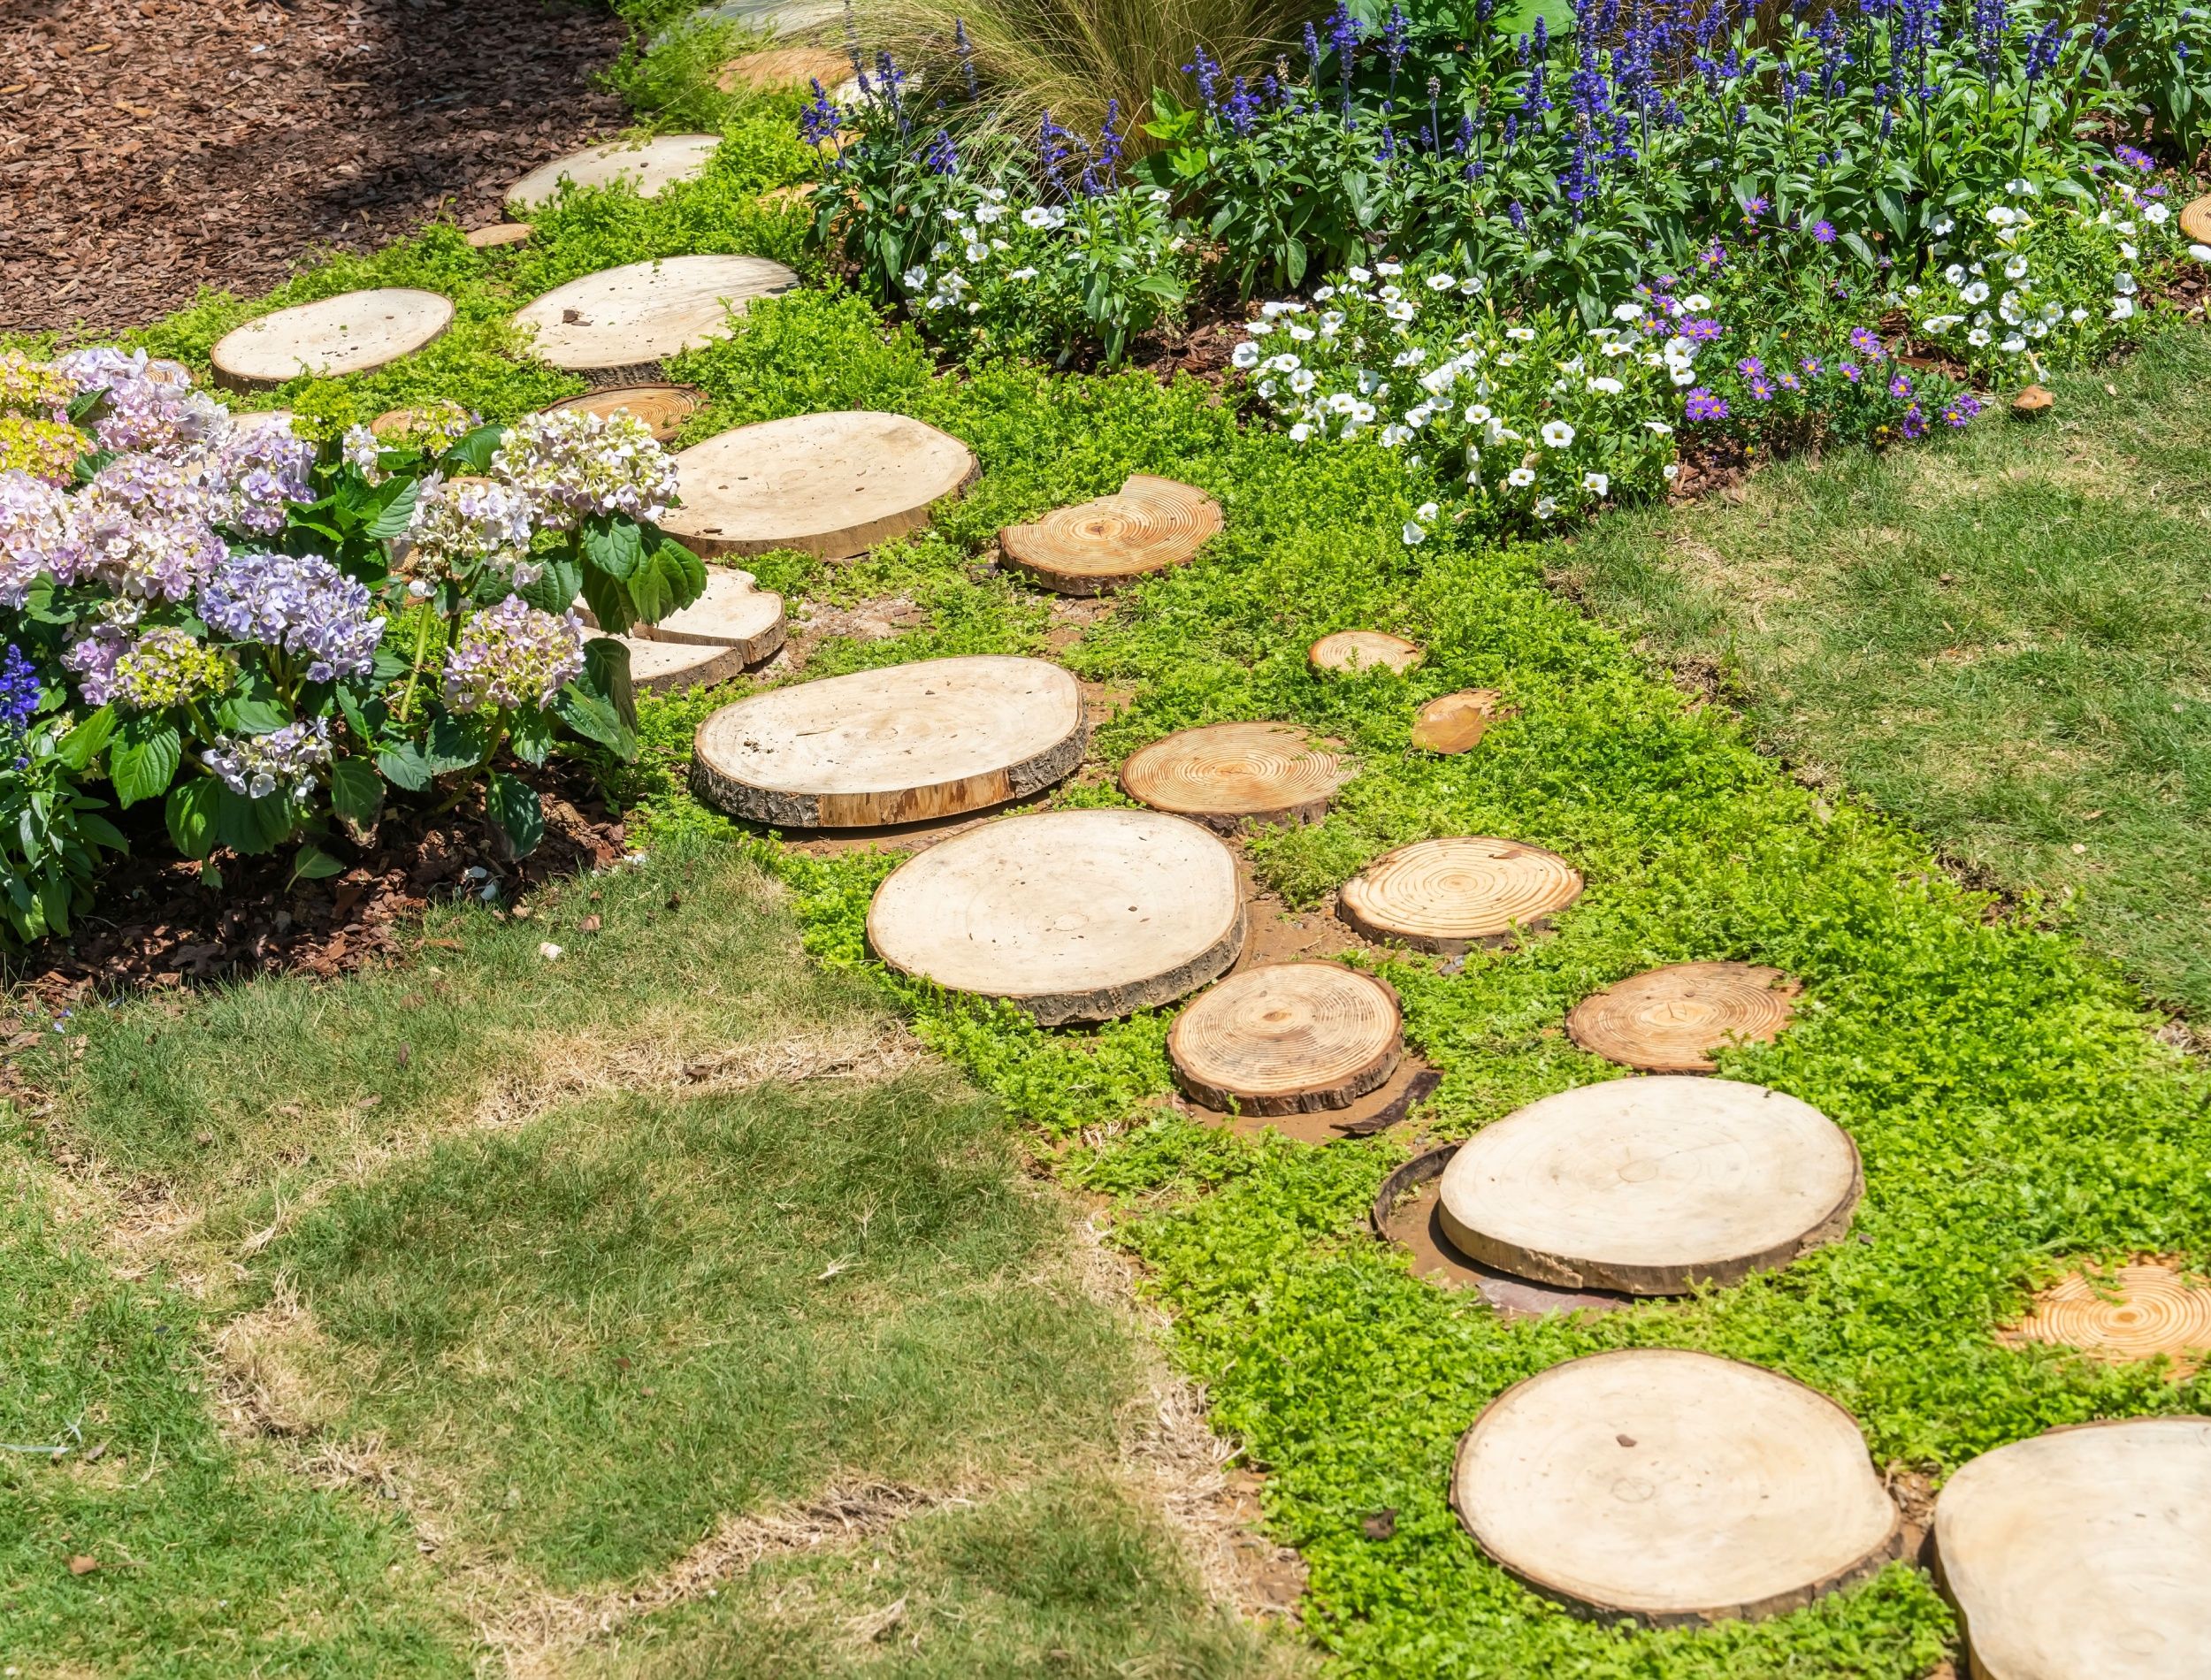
pixel 1696 304
pixel 1425 513
pixel 2156 214
pixel 1978 338
pixel 1955 274
pixel 1520 334
pixel 1440 282
pixel 2077 316
pixel 1977 293
pixel 1546 506
pixel 1389 268
pixel 1359 274
pixel 1627 311
pixel 1299 433
pixel 2015 268
pixel 2123 284
pixel 1244 355
pixel 1520 478
pixel 1035 216
pixel 2122 309
pixel 2013 345
pixel 1607 386
pixel 1660 427
pixel 914 279
pixel 1558 434
pixel 1478 414
pixel 1597 483
pixel 1413 535
pixel 1672 469
pixel 1031 274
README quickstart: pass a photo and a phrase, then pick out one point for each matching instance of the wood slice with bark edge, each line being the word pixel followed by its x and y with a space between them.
pixel 901 744
pixel 1448 896
pixel 1453 723
pixel 1652 1186
pixel 670 668
pixel 1665 1488
pixel 732 611
pixel 2145 1310
pixel 1667 1020
pixel 1357 650
pixel 664 408
pixel 1098 547
pixel 831 485
pixel 1084 915
pixel 775 67
pixel 498 235
pixel 2195 220
pixel 1231 776
pixel 1287 1038
pixel 648 166
pixel 2084 1550
pixel 633 315
pixel 352 332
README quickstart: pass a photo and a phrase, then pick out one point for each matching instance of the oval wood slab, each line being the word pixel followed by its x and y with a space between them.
pixel 2195 220
pixel 1668 1020
pixel 664 408
pixel 1287 1038
pixel 777 67
pixel 1098 547
pixel 498 235
pixel 1671 1488
pixel 2141 1311
pixel 349 333
pixel 1072 915
pixel 1347 651
pixel 633 315
pixel 1453 894
pixel 648 166
pixel 1453 723
pixel 1651 1186
pixel 832 484
pixel 899 744
pixel 670 668
pixel 1236 775
pixel 732 611
pixel 2085 1552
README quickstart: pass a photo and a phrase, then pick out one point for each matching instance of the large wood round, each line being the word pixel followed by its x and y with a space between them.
pixel 1096 547
pixel 1651 1186
pixel 833 485
pixel 2195 220
pixel 664 408
pixel 1234 775
pixel 1072 915
pixel 2141 1312
pixel 899 744
pixel 1450 895
pixel 647 166
pixel 1671 1488
pixel 2084 1553
pixel 1668 1020
pixel 1287 1038
pixel 1358 650
pixel 633 315
pixel 349 333
pixel 732 611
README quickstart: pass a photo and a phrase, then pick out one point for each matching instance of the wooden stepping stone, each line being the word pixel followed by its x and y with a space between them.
pixel 1670 1489
pixel 779 68
pixel 1651 1186
pixel 1668 1020
pixel 900 744
pixel 732 611
pixel 2083 1552
pixel 251 418
pixel 664 408
pixel 2195 220
pixel 1347 651
pixel 349 333
pixel 1071 915
pixel 670 668
pixel 1096 546
pixel 649 166
pixel 2140 1312
pixel 633 315
pixel 498 235
pixel 1452 724
pixel 1236 775
pixel 1448 896
pixel 831 485
pixel 1287 1038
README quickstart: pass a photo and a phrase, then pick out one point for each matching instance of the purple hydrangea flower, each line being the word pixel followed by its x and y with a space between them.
pixel 263 469
pixel 513 655
pixel 301 604
pixel 38 533
pixel 145 526
pixel 1702 405
pixel 573 465
pixel 255 766
pixel 151 405
pixel 92 658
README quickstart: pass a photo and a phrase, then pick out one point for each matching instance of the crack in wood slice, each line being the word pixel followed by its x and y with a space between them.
pixel 1450 895
pixel 1668 1020
pixel 1096 547
pixel 1358 650
pixel 2141 1311
pixel 1452 724
pixel 2083 1552
pixel 648 166
pixel 633 315
pixel 1081 915
pixel 777 67
pixel 353 332
pixel 1667 1488
pixel 1232 776
pixel 2195 220
pixel 499 234
pixel 1289 1038
pixel 664 408
pixel 1652 1187
pixel 903 743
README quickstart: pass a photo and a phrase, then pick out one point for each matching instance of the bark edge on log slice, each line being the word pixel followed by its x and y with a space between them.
pixel 1096 547
pixel 1287 1038
pixel 352 332
pixel 1450 895
pixel 1351 651
pixel 2195 219
pixel 633 315
pixel 664 408
pixel 1668 1020
pixel 647 165
pixel 1454 723
pixel 1232 776
pixel 670 668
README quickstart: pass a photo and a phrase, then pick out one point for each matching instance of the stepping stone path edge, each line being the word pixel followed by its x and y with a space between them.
pixel 351 333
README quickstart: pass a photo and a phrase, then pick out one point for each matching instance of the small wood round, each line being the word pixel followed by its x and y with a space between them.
pixel 1363 650
pixel 1651 1186
pixel 1071 915
pixel 732 611
pixel 785 67
pixel 2195 220
pixel 498 235
pixel 1096 547
pixel 899 744
pixel 1287 1038
pixel 1450 895
pixel 664 408
pixel 1236 775
pixel 648 166
pixel 2032 402
pixel 833 485
pixel 670 668
pixel 1668 1020
pixel 633 315
pixel 2085 1552
pixel 349 333
pixel 1670 1489
pixel 2144 1310
pixel 1452 724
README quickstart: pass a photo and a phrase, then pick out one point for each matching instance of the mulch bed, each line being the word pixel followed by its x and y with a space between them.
pixel 148 148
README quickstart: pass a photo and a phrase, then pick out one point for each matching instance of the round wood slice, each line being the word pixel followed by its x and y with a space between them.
pixel 1668 1020
pixel 349 333
pixel 899 744
pixel 1451 723
pixel 647 166
pixel 670 668
pixel 1233 775
pixel 2195 220
pixel 633 315
pixel 1362 650
pixel 2142 1311
pixel 664 408
pixel 1670 1488
pixel 732 612
pixel 1287 1038
pixel 833 485
pixel 249 420
pixel 2085 1553
pixel 1072 915
pixel 1096 546
pixel 498 234
pixel 1450 895
pixel 1651 1186
pixel 785 67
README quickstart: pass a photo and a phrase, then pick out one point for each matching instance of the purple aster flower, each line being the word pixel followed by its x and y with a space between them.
pixel 299 603
pixel 1750 367
pixel 1849 370
pixel 1867 343
pixel 1788 381
pixel 1700 329
pixel 1824 232
pixel 1913 424
pixel 2134 158
pixel 1899 388
pixel 1961 409
pixel 1702 405
pixel 1761 388
pixel 1811 364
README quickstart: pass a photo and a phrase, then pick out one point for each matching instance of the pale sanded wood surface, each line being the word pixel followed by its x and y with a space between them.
pixel 1672 1488
pixel 1072 915
pixel 2084 1553
pixel 1287 1038
pixel 2142 1310
pixel 649 166
pixel 278 417
pixel 1360 650
pixel 1452 894
pixel 2195 220
pixel 498 235
pixel 833 485
pixel 664 408
pixel 1669 1020
pixel 352 332
pixel 1651 1186
pixel 670 668
pixel 633 315
pixel 1235 776
pixel 1452 724
pixel 732 611
pixel 1096 547
pixel 902 743
pixel 776 67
